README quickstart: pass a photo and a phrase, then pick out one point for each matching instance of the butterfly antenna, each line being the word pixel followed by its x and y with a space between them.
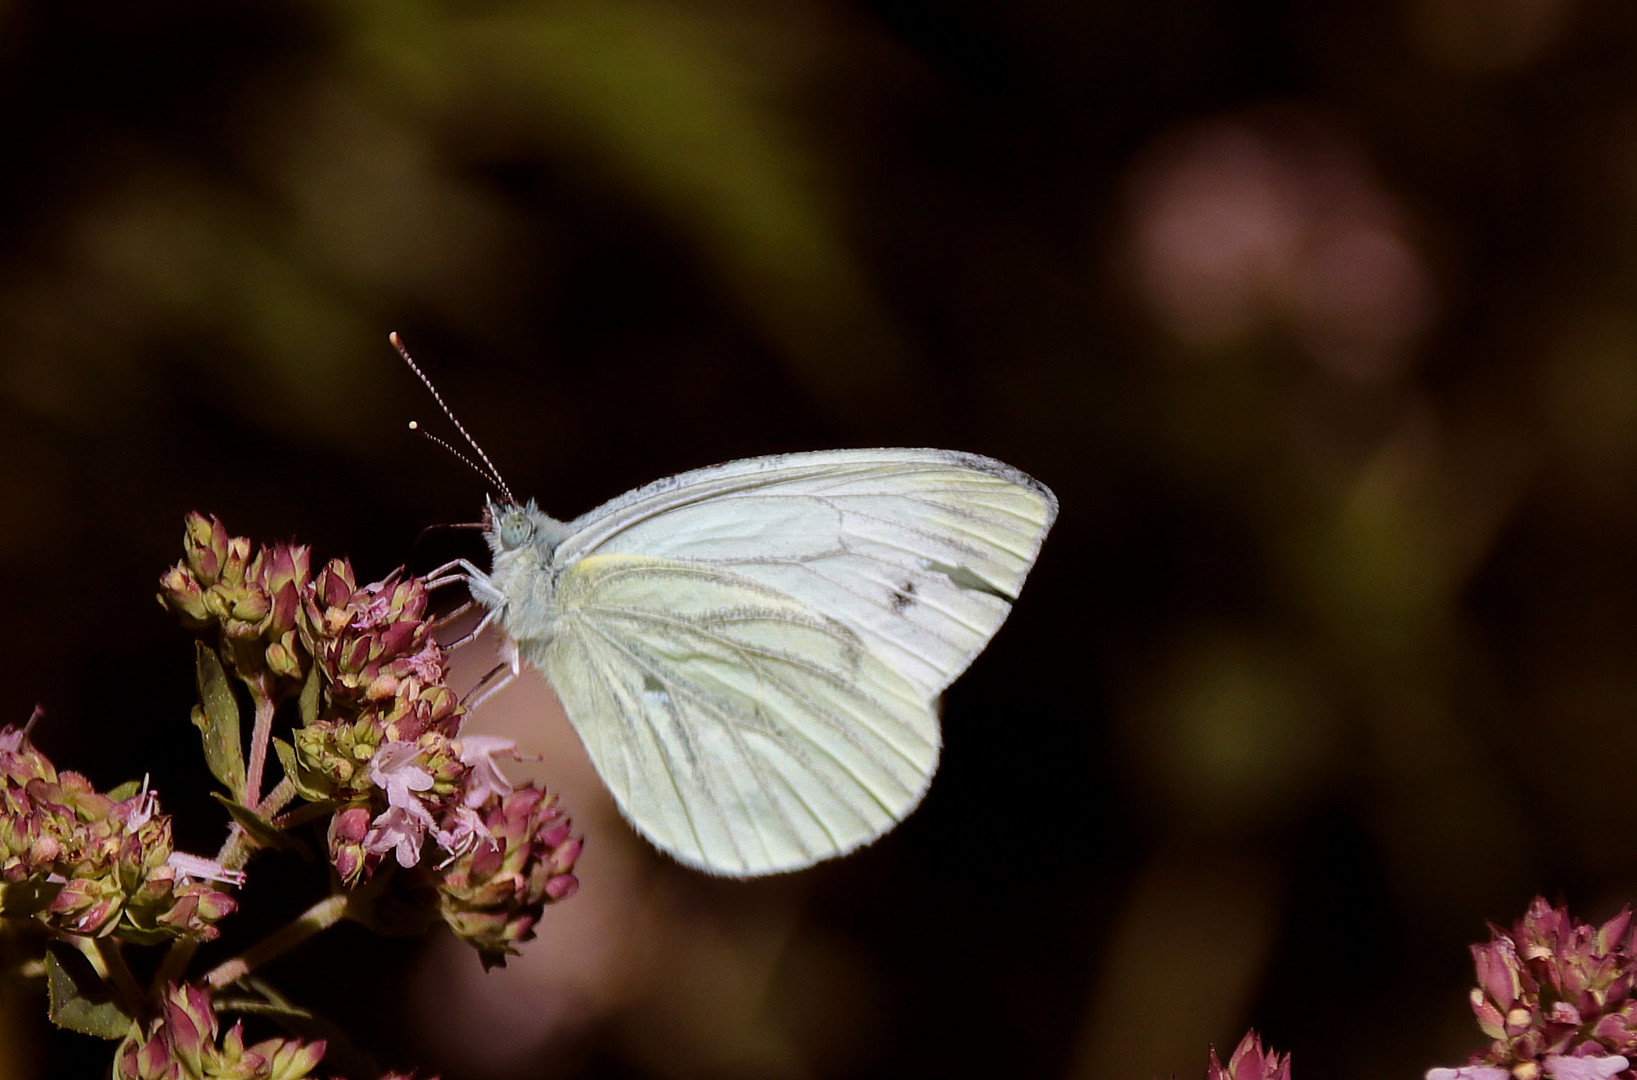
pixel 488 476
pixel 492 474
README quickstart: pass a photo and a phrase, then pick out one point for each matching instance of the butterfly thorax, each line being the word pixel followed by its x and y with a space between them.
pixel 524 575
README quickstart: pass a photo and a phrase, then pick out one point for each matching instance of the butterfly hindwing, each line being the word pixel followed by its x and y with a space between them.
pixel 739 729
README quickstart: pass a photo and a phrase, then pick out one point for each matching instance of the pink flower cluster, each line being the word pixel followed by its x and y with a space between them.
pixel 379 736
pixel 87 863
pixel 186 1041
pixel 1555 997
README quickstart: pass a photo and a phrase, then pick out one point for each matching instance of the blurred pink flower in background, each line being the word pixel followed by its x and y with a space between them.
pixel 1238 225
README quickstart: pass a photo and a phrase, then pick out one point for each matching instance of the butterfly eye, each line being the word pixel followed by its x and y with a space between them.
pixel 515 529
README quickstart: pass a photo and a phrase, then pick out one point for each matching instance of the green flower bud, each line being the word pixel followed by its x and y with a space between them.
pixel 205 547
pixel 182 593
pixel 332 755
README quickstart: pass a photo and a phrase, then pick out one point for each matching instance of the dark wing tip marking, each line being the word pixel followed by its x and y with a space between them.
pixel 1010 474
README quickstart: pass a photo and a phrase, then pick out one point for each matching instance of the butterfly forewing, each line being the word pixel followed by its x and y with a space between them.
pixel 739 728
pixel 918 552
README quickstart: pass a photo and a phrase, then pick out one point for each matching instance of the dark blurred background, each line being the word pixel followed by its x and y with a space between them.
pixel 1320 318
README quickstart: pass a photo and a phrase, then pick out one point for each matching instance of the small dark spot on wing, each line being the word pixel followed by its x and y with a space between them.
pixel 963 577
pixel 903 597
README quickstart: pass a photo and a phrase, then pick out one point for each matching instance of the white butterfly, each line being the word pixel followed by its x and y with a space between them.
pixel 752 653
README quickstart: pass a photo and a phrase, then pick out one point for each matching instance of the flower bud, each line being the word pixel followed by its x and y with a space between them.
pixel 254 601
pixel 348 830
pixel 204 547
pixel 182 593
pixel 1250 1062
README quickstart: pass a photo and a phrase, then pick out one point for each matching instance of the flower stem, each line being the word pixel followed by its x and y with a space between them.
pixel 235 850
pixel 174 963
pixel 260 736
pixel 316 919
pixel 278 798
pixel 113 963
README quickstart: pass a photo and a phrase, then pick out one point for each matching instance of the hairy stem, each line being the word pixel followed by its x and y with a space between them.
pixel 260 736
pixel 278 798
pixel 235 850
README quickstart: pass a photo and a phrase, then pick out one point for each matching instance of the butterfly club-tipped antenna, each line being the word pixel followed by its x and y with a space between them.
pixel 488 470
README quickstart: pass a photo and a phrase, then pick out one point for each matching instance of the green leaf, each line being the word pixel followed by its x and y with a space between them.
pixel 309 696
pixel 300 777
pixel 30 896
pixel 125 790
pixel 80 1000
pixel 263 832
pixel 217 718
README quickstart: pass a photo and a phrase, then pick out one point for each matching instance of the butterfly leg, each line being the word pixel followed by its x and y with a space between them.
pixel 452 564
pixel 509 668
pixel 450 572
pixel 462 571
pixel 483 624
pixel 445 620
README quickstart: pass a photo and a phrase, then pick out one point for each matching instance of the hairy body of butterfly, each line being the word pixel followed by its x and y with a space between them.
pixel 753 653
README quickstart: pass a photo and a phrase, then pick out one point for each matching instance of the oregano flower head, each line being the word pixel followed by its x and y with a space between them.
pixel 418 817
pixel 1554 995
pixel 88 863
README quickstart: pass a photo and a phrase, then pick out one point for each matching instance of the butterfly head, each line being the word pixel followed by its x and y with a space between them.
pixel 511 526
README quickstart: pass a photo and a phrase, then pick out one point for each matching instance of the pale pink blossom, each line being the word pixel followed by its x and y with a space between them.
pixel 203 869
pixel 394 770
pixel 465 829
pixel 1562 1067
pixel 401 831
pixel 478 753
